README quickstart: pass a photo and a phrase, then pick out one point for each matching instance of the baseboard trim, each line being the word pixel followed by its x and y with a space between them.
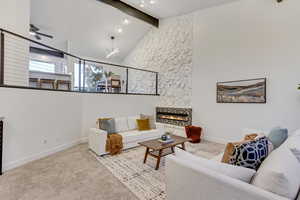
pixel 20 162
pixel 84 140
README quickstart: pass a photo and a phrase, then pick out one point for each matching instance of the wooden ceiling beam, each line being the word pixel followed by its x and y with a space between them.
pixel 132 11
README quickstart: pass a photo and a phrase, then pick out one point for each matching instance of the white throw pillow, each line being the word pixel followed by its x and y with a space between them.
pixel 132 124
pixel 296 152
pixel 295 133
pixel 279 173
pixel 121 124
pixel 293 143
pixel 236 172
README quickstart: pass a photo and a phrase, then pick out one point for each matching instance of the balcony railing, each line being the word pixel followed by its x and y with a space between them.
pixel 29 64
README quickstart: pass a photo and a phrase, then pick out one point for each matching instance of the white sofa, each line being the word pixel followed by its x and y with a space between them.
pixel 125 126
pixel 189 181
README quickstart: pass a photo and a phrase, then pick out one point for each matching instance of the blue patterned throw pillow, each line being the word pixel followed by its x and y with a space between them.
pixel 251 154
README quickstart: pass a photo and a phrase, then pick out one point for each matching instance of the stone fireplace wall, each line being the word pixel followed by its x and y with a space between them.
pixel 167 50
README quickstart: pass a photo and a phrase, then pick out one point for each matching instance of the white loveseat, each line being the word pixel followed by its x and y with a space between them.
pixel 125 126
pixel 189 181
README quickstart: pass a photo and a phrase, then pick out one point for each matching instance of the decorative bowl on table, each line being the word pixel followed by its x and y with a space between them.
pixel 166 138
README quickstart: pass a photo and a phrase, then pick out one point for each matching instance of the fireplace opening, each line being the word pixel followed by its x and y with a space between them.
pixel 174 116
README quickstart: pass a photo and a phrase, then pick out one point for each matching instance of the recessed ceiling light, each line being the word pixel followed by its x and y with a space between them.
pixel 152 1
pixel 32 33
pixel 126 21
pixel 142 4
pixel 119 30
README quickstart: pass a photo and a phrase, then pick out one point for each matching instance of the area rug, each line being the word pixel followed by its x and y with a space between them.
pixel 141 179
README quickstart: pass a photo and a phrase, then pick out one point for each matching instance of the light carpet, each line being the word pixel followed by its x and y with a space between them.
pixel 142 179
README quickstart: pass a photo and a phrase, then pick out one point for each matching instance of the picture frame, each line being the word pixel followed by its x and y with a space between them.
pixel 243 91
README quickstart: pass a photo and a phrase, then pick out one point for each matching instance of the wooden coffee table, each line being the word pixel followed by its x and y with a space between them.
pixel 158 150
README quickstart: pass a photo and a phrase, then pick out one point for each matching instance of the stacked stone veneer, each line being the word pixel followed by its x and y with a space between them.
pixel 167 50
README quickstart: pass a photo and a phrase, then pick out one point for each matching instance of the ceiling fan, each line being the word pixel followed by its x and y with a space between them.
pixel 34 31
pixel 113 50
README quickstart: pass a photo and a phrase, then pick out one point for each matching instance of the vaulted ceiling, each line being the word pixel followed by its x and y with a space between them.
pixel 171 8
pixel 84 27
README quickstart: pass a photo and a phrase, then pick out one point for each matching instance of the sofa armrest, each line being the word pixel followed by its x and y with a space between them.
pixel 97 141
pixel 98 131
pixel 188 182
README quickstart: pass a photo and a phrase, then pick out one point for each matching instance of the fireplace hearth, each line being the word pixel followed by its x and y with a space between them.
pixel 174 116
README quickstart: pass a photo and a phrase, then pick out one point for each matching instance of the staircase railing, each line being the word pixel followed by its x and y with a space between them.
pixel 71 73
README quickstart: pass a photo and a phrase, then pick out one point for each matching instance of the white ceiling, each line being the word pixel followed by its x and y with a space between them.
pixel 170 8
pixel 85 26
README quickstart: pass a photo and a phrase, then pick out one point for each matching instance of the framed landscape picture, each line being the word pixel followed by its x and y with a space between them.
pixel 243 91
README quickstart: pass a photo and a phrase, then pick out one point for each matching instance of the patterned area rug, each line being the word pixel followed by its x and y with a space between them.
pixel 145 182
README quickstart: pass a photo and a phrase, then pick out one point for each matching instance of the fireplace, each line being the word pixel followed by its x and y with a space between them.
pixel 174 116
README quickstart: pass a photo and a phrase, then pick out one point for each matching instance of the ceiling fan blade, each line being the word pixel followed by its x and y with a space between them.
pixel 38 37
pixel 34 28
pixel 45 35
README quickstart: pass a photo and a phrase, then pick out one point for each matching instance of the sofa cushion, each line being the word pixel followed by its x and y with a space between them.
pixel 295 132
pixel 278 136
pixel 296 152
pixel 248 154
pixel 132 124
pixel 228 156
pixel 279 173
pixel 139 136
pixel 143 124
pixel 252 154
pixel 121 124
pixel 293 143
pixel 236 172
pixel 151 120
pixel 108 125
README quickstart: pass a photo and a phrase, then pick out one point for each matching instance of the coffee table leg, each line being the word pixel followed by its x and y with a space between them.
pixel 146 155
pixel 158 160
pixel 183 146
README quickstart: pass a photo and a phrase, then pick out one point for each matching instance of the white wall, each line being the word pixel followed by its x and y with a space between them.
pixel 39 123
pixel 15 16
pixel 167 50
pixel 96 106
pixel 241 40
pixel 244 40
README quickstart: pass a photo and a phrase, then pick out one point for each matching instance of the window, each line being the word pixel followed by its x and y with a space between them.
pixel 41 66
pixel 76 76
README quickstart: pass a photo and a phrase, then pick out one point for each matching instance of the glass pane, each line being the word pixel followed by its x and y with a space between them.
pixel 141 82
pixel 104 78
